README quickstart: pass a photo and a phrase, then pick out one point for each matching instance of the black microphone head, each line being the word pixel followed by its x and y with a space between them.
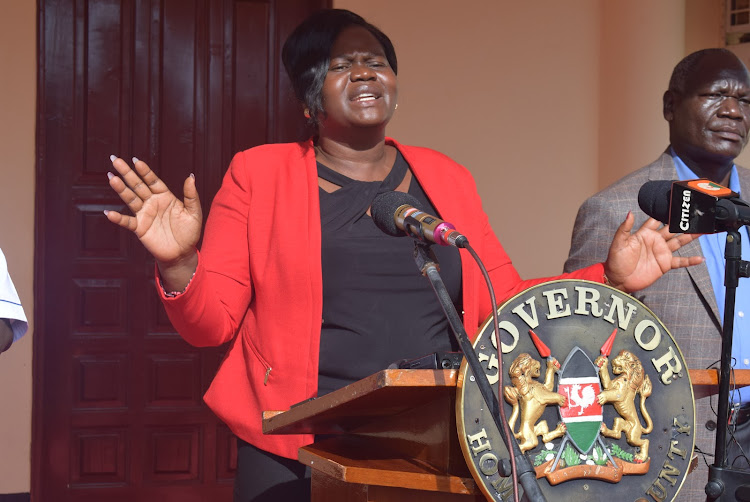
pixel 384 208
pixel 654 199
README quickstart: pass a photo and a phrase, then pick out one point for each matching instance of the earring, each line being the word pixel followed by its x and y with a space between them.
pixel 396 107
pixel 307 113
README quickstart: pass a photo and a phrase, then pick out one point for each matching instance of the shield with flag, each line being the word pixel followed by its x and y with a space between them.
pixel 582 413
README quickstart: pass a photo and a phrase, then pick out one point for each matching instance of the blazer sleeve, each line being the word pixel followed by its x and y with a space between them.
pixel 210 310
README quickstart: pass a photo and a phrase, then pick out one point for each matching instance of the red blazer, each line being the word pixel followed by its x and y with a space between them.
pixel 259 280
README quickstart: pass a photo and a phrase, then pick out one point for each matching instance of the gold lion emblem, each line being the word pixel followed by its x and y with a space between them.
pixel 621 392
pixel 529 399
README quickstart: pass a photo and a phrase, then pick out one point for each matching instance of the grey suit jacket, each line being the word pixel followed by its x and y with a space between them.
pixel 682 299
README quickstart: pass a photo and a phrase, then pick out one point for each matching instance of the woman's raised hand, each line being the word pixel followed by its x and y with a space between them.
pixel 167 227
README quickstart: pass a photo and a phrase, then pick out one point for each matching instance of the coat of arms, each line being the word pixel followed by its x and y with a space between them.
pixel 616 417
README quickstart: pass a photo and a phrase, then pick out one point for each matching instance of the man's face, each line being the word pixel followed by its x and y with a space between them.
pixel 709 120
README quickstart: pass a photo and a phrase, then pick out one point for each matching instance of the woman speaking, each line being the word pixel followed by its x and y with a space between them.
pixel 294 273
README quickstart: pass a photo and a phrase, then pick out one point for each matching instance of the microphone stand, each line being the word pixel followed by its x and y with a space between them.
pixel 427 264
pixel 725 483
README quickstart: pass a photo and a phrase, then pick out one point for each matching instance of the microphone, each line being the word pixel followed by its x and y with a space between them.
pixel 694 206
pixel 398 213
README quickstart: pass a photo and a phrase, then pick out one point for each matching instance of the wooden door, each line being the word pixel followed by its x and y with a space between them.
pixel 182 84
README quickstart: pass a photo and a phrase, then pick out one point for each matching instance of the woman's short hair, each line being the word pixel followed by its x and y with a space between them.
pixel 306 53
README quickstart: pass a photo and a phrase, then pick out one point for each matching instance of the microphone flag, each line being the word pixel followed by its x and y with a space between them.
pixel 693 205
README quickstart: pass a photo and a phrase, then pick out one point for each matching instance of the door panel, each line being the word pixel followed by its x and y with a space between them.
pixel 183 85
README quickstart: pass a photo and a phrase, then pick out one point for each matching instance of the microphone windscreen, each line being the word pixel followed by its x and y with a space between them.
pixel 654 199
pixel 383 210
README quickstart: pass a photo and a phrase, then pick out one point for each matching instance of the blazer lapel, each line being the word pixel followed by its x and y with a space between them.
pixel 663 169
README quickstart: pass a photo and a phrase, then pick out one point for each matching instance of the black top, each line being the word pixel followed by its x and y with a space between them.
pixel 377 307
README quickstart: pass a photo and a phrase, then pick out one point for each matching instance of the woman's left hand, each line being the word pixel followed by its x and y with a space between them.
pixel 638 259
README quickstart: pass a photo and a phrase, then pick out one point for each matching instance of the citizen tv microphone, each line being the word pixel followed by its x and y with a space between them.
pixel 694 206
pixel 398 213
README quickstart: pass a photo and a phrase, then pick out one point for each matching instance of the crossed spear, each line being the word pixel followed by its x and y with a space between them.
pixel 544 351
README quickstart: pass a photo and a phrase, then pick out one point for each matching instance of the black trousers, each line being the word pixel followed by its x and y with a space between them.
pixel 265 477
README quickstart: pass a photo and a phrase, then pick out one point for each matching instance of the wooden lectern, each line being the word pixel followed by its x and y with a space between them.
pixel 706 382
pixel 392 437
pixel 388 437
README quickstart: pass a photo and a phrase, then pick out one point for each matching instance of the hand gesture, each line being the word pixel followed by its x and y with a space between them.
pixel 167 227
pixel 636 260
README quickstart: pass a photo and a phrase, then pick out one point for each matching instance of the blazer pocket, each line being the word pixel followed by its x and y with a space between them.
pixel 251 350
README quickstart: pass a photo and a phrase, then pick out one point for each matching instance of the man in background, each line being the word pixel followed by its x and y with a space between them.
pixel 707 107
pixel 13 323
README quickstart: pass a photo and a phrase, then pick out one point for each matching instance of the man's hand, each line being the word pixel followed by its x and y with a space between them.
pixel 6 335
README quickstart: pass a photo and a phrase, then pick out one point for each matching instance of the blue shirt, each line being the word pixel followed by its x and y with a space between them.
pixel 713 246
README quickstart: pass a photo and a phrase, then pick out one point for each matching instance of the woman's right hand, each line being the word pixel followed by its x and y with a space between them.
pixel 167 227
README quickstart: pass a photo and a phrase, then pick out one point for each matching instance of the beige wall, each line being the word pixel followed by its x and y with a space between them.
pixel 544 101
pixel 510 93
pixel 639 49
pixel 17 108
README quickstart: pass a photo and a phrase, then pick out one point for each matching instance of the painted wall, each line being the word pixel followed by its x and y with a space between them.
pixel 510 93
pixel 17 132
pixel 639 48
pixel 545 102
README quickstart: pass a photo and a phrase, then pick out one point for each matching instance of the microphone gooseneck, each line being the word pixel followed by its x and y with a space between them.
pixel 398 214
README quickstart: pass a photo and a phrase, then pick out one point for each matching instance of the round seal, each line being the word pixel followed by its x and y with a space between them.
pixel 595 390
